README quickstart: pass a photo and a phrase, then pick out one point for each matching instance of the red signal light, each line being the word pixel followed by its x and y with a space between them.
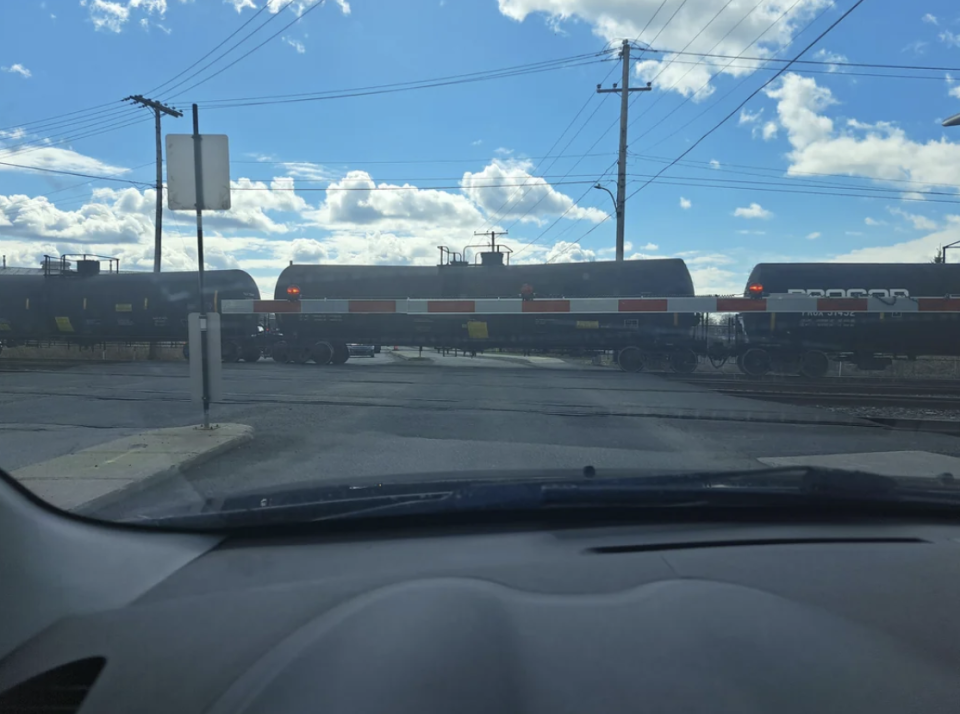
pixel 755 290
pixel 293 292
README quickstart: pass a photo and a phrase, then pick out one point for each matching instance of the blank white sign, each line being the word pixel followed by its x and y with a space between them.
pixel 181 173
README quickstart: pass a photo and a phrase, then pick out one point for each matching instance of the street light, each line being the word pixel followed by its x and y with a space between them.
pixel 951 121
pixel 616 209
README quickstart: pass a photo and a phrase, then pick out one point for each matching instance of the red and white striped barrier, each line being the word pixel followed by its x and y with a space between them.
pixel 593 306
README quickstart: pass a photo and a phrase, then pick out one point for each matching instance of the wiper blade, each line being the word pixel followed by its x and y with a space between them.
pixel 760 488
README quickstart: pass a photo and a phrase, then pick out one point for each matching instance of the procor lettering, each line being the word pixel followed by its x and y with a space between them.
pixel 851 292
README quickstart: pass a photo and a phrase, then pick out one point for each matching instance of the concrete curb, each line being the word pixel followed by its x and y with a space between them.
pixel 102 475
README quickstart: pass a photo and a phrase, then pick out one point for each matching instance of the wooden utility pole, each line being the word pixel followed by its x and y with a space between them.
pixel 624 90
pixel 158 110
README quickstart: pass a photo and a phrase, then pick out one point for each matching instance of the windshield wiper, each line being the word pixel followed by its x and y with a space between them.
pixel 763 488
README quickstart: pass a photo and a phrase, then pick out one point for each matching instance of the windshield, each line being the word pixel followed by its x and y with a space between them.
pixel 257 246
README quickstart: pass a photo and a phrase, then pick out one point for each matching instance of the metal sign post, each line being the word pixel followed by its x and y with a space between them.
pixel 204 352
pixel 198 178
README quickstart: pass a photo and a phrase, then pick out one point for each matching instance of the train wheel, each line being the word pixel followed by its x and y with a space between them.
pixel 300 355
pixel 229 352
pixel 251 354
pixel 814 364
pixel 340 353
pixel 754 362
pixel 322 353
pixel 280 352
pixel 630 359
pixel 684 362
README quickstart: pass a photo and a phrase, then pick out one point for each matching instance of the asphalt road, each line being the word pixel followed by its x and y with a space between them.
pixel 373 418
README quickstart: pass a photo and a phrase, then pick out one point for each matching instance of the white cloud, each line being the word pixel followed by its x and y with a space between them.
pixel 295 44
pixel 648 246
pixel 751 233
pixel 747 118
pixel 754 210
pixel 921 223
pixel 814 235
pixel 563 252
pixel 770 131
pixel 953 89
pixel 365 205
pixel 714 164
pixel 685 203
pixel 476 143
pixel 309 171
pixel 736 26
pixel 919 250
pixel 520 196
pixel 18 68
pixel 928 18
pixel 49 157
pixel 950 38
pixel 880 151
pixel 827 56
pixel 854 233
pixel 112 15
pixel 239 5
pixel 299 7
pixel 874 222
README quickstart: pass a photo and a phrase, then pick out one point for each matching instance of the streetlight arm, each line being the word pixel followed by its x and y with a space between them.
pixel 616 208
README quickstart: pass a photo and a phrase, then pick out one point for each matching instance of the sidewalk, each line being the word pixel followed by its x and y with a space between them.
pixel 102 474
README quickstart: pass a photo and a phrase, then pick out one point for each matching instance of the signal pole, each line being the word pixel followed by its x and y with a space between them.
pixel 158 110
pixel 624 90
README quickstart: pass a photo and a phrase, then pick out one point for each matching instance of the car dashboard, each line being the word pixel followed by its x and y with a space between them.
pixel 667 617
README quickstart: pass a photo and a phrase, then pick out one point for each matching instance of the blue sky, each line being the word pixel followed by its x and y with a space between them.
pixel 766 186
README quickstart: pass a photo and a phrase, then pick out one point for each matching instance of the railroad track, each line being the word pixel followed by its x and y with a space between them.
pixel 853 392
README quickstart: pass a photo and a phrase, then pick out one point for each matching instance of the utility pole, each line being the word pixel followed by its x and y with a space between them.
pixel 158 110
pixel 624 90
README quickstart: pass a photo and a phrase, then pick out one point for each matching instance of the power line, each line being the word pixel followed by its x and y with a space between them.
pixel 548 66
pixel 552 163
pixel 877 191
pixel 797 191
pixel 800 174
pixel 67 140
pixel 85 126
pixel 168 96
pixel 222 43
pixel 649 108
pixel 73 173
pixel 720 100
pixel 939 78
pixel 751 96
pixel 522 177
pixel 837 63
pixel 660 31
pixel 570 208
pixel 652 17
pixel 709 80
pixel 416 161
pixel 398 188
pixel 61 123
pixel 250 52
pixel 57 116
